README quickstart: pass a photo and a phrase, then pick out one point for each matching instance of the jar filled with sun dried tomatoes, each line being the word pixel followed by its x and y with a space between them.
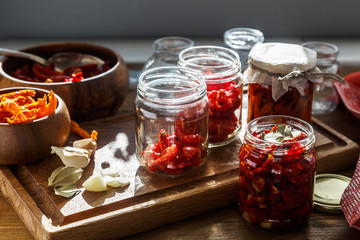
pixel 221 69
pixel 277 172
pixel 172 112
pixel 281 80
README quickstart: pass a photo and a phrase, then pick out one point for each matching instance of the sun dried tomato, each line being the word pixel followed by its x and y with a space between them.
pixel 276 181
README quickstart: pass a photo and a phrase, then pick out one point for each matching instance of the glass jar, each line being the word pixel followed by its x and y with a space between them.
pixel 221 69
pixel 167 51
pixel 242 40
pixel 325 96
pixel 172 113
pixel 281 80
pixel 277 178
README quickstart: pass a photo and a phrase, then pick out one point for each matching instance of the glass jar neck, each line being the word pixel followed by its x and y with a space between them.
pixel 260 124
pixel 243 38
pixel 326 53
pixel 171 86
pixel 217 64
pixel 172 45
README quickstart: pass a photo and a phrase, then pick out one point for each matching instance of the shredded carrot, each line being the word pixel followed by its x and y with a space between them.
pixel 94 135
pixel 76 129
pixel 21 107
pixel 24 93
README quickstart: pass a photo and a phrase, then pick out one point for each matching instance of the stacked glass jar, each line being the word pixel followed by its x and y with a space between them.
pixel 221 69
pixel 171 121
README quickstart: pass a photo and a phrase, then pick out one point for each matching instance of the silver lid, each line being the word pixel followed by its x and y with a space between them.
pixel 328 191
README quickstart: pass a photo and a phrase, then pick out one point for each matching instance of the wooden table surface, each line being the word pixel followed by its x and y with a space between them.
pixel 227 223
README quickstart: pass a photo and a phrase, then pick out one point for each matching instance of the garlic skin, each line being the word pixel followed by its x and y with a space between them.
pixel 95 184
pixel 73 157
pixel 115 182
pixel 86 143
pixel 109 172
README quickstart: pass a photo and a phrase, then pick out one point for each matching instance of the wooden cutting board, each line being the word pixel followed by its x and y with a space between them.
pixel 149 201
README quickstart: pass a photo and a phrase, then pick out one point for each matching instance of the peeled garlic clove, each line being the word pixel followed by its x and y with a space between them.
pixel 86 143
pixel 73 157
pixel 116 181
pixel 95 184
pixel 109 172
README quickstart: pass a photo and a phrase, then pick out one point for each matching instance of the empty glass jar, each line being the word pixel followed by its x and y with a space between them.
pixel 221 69
pixel 171 121
pixel 325 98
pixel 167 51
pixel 242 40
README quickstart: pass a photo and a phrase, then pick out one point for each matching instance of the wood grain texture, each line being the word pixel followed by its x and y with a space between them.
pixel 223 223
pixel 31 141
pixel 150 201
pixel 92 98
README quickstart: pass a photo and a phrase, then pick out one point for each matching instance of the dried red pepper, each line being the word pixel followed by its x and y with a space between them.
pixel 40 73
pixel 173 154
pixel 224 115
pixel 276 180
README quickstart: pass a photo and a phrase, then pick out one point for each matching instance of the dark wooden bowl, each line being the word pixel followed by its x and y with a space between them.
pixel 93 98
pixel 28 142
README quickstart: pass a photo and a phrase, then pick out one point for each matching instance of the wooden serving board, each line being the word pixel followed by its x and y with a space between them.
pixel 149 201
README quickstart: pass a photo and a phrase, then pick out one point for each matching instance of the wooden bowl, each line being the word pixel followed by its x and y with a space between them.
pixel 28 142
pixel 93 98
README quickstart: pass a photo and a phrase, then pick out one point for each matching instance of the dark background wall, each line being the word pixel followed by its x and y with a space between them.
pixel 191 18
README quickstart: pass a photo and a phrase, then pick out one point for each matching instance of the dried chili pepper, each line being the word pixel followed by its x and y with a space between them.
pixel 172 154
pixel 224 103
pixel 40 73
pixel 276 179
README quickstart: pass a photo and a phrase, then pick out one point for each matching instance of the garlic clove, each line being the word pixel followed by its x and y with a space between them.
pixel 109 172
pixel 86 143
pixel 116 181
pixel 95 184
pixel 73 157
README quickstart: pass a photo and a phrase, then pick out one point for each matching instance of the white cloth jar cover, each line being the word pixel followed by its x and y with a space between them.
pixel 282 65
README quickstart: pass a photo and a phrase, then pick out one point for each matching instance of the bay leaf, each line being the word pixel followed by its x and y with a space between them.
pixel 63 176
pixel 67 191
pixel 284 130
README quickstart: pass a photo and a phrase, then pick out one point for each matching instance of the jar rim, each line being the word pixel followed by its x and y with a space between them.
pixel 185 85
pixel 326 52
pixel 229 62
pixel 243 38
pixel 272 120
pixel 172 44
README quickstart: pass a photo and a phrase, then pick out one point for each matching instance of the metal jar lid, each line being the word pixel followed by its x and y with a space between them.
pixel 328 191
